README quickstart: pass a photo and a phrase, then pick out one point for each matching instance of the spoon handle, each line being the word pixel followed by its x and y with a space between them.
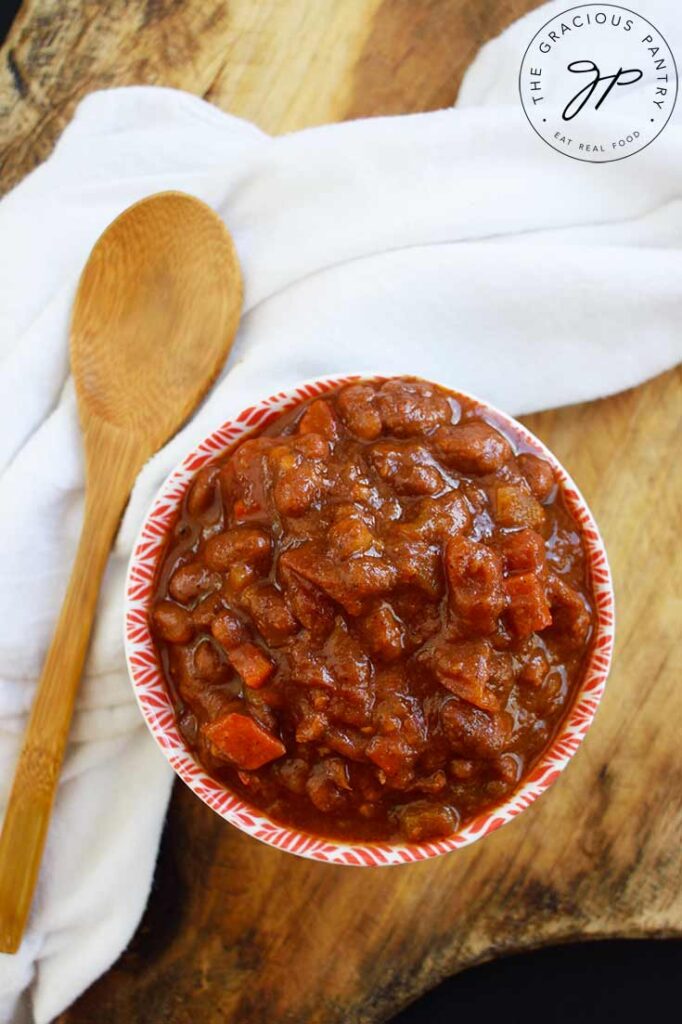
pixel 112 468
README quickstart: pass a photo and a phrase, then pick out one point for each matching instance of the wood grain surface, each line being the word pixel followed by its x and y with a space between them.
pixel 236 931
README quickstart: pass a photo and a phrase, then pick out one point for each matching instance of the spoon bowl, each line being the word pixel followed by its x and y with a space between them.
pixel 157 307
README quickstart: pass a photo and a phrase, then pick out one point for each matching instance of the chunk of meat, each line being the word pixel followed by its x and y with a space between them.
pixel 293 773
pixel 313 609
pixel 239 739
pixel 465 669
pixel 472 447
pixel 418 563
pixel 172 623
pixel 192 581
pixel 400 713
pixel 570 611
pixel 312 727
pixel 474 575
pixel 422 820
pixel 523 551
pixel 502 676
pixel 307 667
pixel 349 536
pixel 383 632
pixel 346 741
pixel 539 475
pixel 527 608
pixel 357 405
pixel 472 732
pixel 534 667
pixel 409 467
pixel 319 419
pixel 394 757
pixel 363 578
pixel 208 663
pixel 327 784
pixel 461 769
pixel 347 661
pixel 408 408
pixel 351 583
pixel 433 783
pixel 298 479
pixel 251 663
pixel 423 616
pixel 313 446
pixel 514 505
pixel 270 613
pixel 229 630
pixel 436 519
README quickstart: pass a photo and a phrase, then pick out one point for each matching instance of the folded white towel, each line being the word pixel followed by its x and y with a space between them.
pixel 454 245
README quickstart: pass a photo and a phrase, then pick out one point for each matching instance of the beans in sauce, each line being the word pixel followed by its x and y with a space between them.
pixel 372 617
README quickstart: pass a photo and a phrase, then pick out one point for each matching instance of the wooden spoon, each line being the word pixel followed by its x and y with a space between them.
pixel 156 312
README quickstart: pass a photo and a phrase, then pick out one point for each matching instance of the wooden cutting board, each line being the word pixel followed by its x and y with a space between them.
pixel 236 931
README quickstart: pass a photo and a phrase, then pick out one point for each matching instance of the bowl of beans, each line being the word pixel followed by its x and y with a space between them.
pixel 369 620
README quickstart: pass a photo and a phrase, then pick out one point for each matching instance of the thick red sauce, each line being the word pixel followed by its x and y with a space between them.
pixel 373 616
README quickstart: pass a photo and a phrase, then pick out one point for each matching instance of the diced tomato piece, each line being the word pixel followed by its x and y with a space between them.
pixel 528 610
pixel 240 739
pixel 251 664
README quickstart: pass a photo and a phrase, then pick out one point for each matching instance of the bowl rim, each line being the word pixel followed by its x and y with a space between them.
pixel 154 701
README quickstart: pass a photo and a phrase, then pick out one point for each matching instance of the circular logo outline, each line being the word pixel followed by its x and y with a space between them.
pixel 563 152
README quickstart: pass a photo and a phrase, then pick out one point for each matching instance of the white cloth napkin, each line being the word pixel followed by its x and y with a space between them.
pixel 455 245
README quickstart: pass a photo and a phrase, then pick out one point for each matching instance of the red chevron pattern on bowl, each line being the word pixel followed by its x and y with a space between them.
pixel 155 704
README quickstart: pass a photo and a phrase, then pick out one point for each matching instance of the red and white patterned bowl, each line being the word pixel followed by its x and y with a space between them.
pixel 156 707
